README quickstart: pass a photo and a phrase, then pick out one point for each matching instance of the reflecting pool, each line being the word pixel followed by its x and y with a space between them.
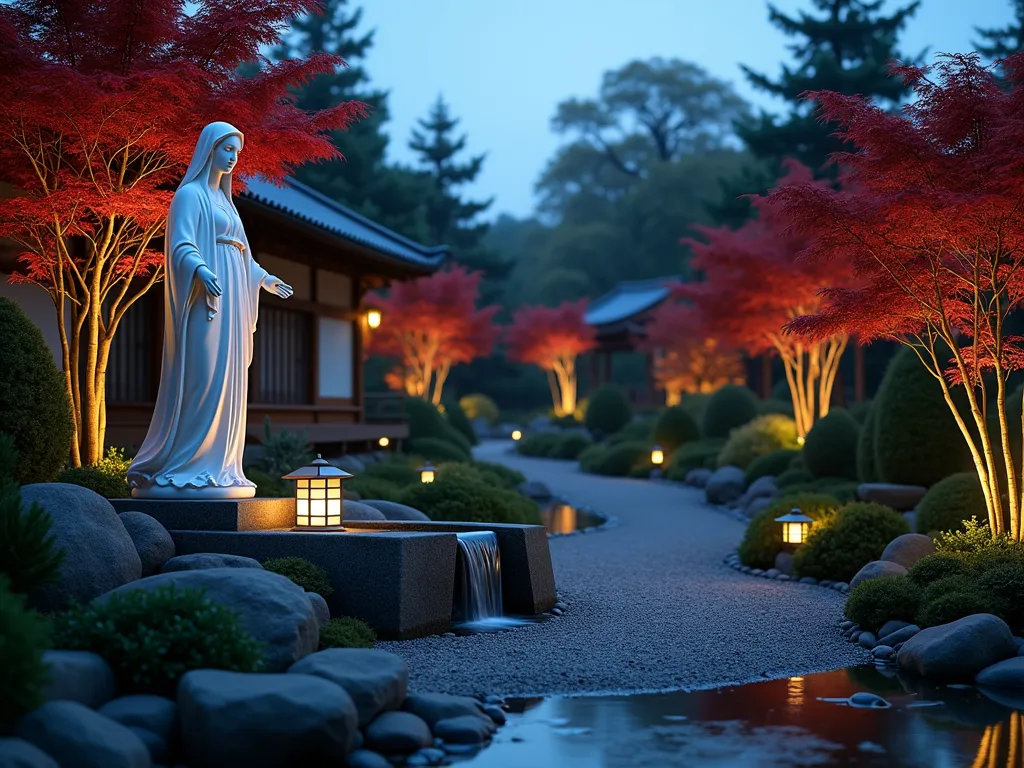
pixel 774 724
pixel 561 518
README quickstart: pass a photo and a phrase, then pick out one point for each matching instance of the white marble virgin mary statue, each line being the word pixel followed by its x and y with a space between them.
pixel 211 292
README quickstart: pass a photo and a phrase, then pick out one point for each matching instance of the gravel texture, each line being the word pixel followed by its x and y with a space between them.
pixel 650 605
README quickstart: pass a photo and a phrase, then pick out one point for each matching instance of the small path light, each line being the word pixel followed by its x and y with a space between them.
pixel 795 527
pixel 384 442
pixel 318 496
pixel 517 434
pixel 427 473
pixel 657 456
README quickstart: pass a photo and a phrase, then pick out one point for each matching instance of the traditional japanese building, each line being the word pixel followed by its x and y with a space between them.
pixel 307 369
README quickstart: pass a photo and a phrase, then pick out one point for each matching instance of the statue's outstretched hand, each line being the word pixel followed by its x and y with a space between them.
pixel 209 280
pixel 278 287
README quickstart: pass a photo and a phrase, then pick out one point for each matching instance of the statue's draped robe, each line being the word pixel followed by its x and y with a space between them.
pixel 197 433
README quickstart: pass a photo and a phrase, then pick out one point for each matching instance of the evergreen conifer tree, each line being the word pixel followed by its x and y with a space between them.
pixel 1004 41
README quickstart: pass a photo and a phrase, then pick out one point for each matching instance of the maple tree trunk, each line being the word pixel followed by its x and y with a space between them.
pixel 811 372
pixel 553 386
pixel 565 371
pixel 440 376
pixel 673 396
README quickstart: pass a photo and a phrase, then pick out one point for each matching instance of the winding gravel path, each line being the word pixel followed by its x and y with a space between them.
pixel 651 606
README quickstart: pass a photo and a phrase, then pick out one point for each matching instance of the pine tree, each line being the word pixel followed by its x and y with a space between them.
pixel 1002 42
pixel 451 219
pixel 846 49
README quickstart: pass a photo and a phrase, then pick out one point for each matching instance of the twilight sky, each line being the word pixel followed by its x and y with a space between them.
pixel 503 66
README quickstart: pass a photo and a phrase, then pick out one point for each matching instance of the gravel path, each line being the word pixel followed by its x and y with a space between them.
pixel 651 606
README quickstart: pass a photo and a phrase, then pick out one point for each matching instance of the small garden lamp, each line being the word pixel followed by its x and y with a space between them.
pixel 373 318
pixel 795 527
pixel 318 496
pixel 657 456
pixel 427 473
pixel 384 442
pixel 517 434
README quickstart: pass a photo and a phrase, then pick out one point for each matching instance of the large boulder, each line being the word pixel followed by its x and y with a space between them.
pixel 152 541
pixel 899 497
pixel 877 569
pixel 762 488
pixel 274 610
pixel 154 719
pixel 398 732
pixel 99 555
pixel 376 680
pixel 395 511
pixel 79 676
pixel 257 720
pixel 433 707
pixel 464 729
pixel 908 549
pixel 357 510
pixel 1008 673
pixel 75 735
pixel 958 650
pixel 201 561
pixel 18 753
pixel 698 478
pixel 725 485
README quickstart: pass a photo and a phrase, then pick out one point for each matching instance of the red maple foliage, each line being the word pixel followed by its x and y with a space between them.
pixel 688 357
pixel 933 225
pixel 431 324
pixel 104 101
pixel 552 338
pixel 754 283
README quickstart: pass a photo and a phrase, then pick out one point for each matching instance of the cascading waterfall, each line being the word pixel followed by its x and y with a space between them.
pixel 478 579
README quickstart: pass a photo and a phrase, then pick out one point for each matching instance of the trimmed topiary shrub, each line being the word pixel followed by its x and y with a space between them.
pixel 504 476
pixel 793 477
pixel 830 449
pixel 425 421
pixel 1005 583
pixel 843 489
pixel 310 576
pixel 699 455
pixel 771 464
pixel 151 638
pixel 858 534
pixel 23 674
pixel 570 445
pixel 674 428
pixel 917 440
pixel 436 450
pixel 373 488
pixel 346 632
pixel 957 605
pixel 939 566
pixel 34 406
pixel 760 437
pixel 540 445
pixel 950 502
pixel 874 602
pixel 730 407
pixel 458 420
pixel 459 497
pixel 638 429
pixel 616 460
pixel 608 411
pixel 479 406
pixel 695 403
pixel 763 538
pixel 867 470
pixel 780 407
pixel 397 471
pixel 108 477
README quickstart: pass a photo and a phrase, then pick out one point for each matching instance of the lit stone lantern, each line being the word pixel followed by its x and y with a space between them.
pixel 795 527
pixel 517 434
pixel 427 472
pixel 657 456
pixel 373 318
pixel 318 496
pixel 384 442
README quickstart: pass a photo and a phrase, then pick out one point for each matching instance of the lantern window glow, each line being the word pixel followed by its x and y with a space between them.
pixel 657 456
pixel 373 318
pixel 427 472
pixel 318 495
pixel 384 442
pixel 795 527
pixel 517 435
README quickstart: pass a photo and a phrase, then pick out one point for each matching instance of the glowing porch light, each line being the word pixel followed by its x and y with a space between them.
pixel 657 456
pixel 795 527
pixel 384 442
pixel 318 495
pixel 427 472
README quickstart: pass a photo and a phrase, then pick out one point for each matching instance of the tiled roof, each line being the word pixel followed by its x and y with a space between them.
pixel 308 205
pixel 628 299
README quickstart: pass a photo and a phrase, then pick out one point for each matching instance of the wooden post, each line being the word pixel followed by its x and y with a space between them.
pixel 766 377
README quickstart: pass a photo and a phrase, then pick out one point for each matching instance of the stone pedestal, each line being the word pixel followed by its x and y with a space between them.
pixel 214 514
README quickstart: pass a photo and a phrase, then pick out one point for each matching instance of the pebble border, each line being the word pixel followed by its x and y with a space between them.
pixel 733 561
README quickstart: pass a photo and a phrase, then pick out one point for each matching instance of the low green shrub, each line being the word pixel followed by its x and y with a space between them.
pixel 860 411
pixel 283 451
pixel 730 407
pixel 867 468
pixel 950 502
pixel 436 449
pixel 541 445
pixel 24 636
pixel 695 403
pixel 427 422
pixel 401 472
pixel 458 420
pixel 373 488
pixel 268 487
pixel 459 497
pixel 778 407
pixel 974 539
pixel 857 535
pixel 504 476
pixel 771 464
pixel 701 454
pixel 763 538
pixel 874 602
pixel 608 410
pixel 936 567
pixel 636 430
pixel 830 449
pixel 674 428
pixel 570 445
pixel 759 437
pixel 346 632
pixel 152 637
pixel 957 605
pixel 479 406
pixel 310 576
pixel 843 489
pixel 793 477
pixel 617 460
pixel 108 477
pixel 1005 583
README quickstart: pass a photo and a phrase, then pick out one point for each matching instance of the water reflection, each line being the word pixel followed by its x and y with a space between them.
pixel 774 724
pixel 560 518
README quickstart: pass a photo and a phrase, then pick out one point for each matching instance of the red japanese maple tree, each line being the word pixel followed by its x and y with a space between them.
pixel 687 356
pixel 933 224
pixel 104 101
pixel 431 324
pixel 754 283
pixel 552 338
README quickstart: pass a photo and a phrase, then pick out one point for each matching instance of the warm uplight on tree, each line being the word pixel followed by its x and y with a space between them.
pixel 657 456
pixel 795 527
pixel 427 472
pixel 319 497
pixel 384 442
pixel 517 435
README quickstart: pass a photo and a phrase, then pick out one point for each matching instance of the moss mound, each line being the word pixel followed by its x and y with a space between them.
pixel 675 428
pixel 877 601
pixel 950 502
pixel 858 534
pixel 608 410
pixel 730 407
pixel 771 464
pixel 830 449
pixel 763 435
